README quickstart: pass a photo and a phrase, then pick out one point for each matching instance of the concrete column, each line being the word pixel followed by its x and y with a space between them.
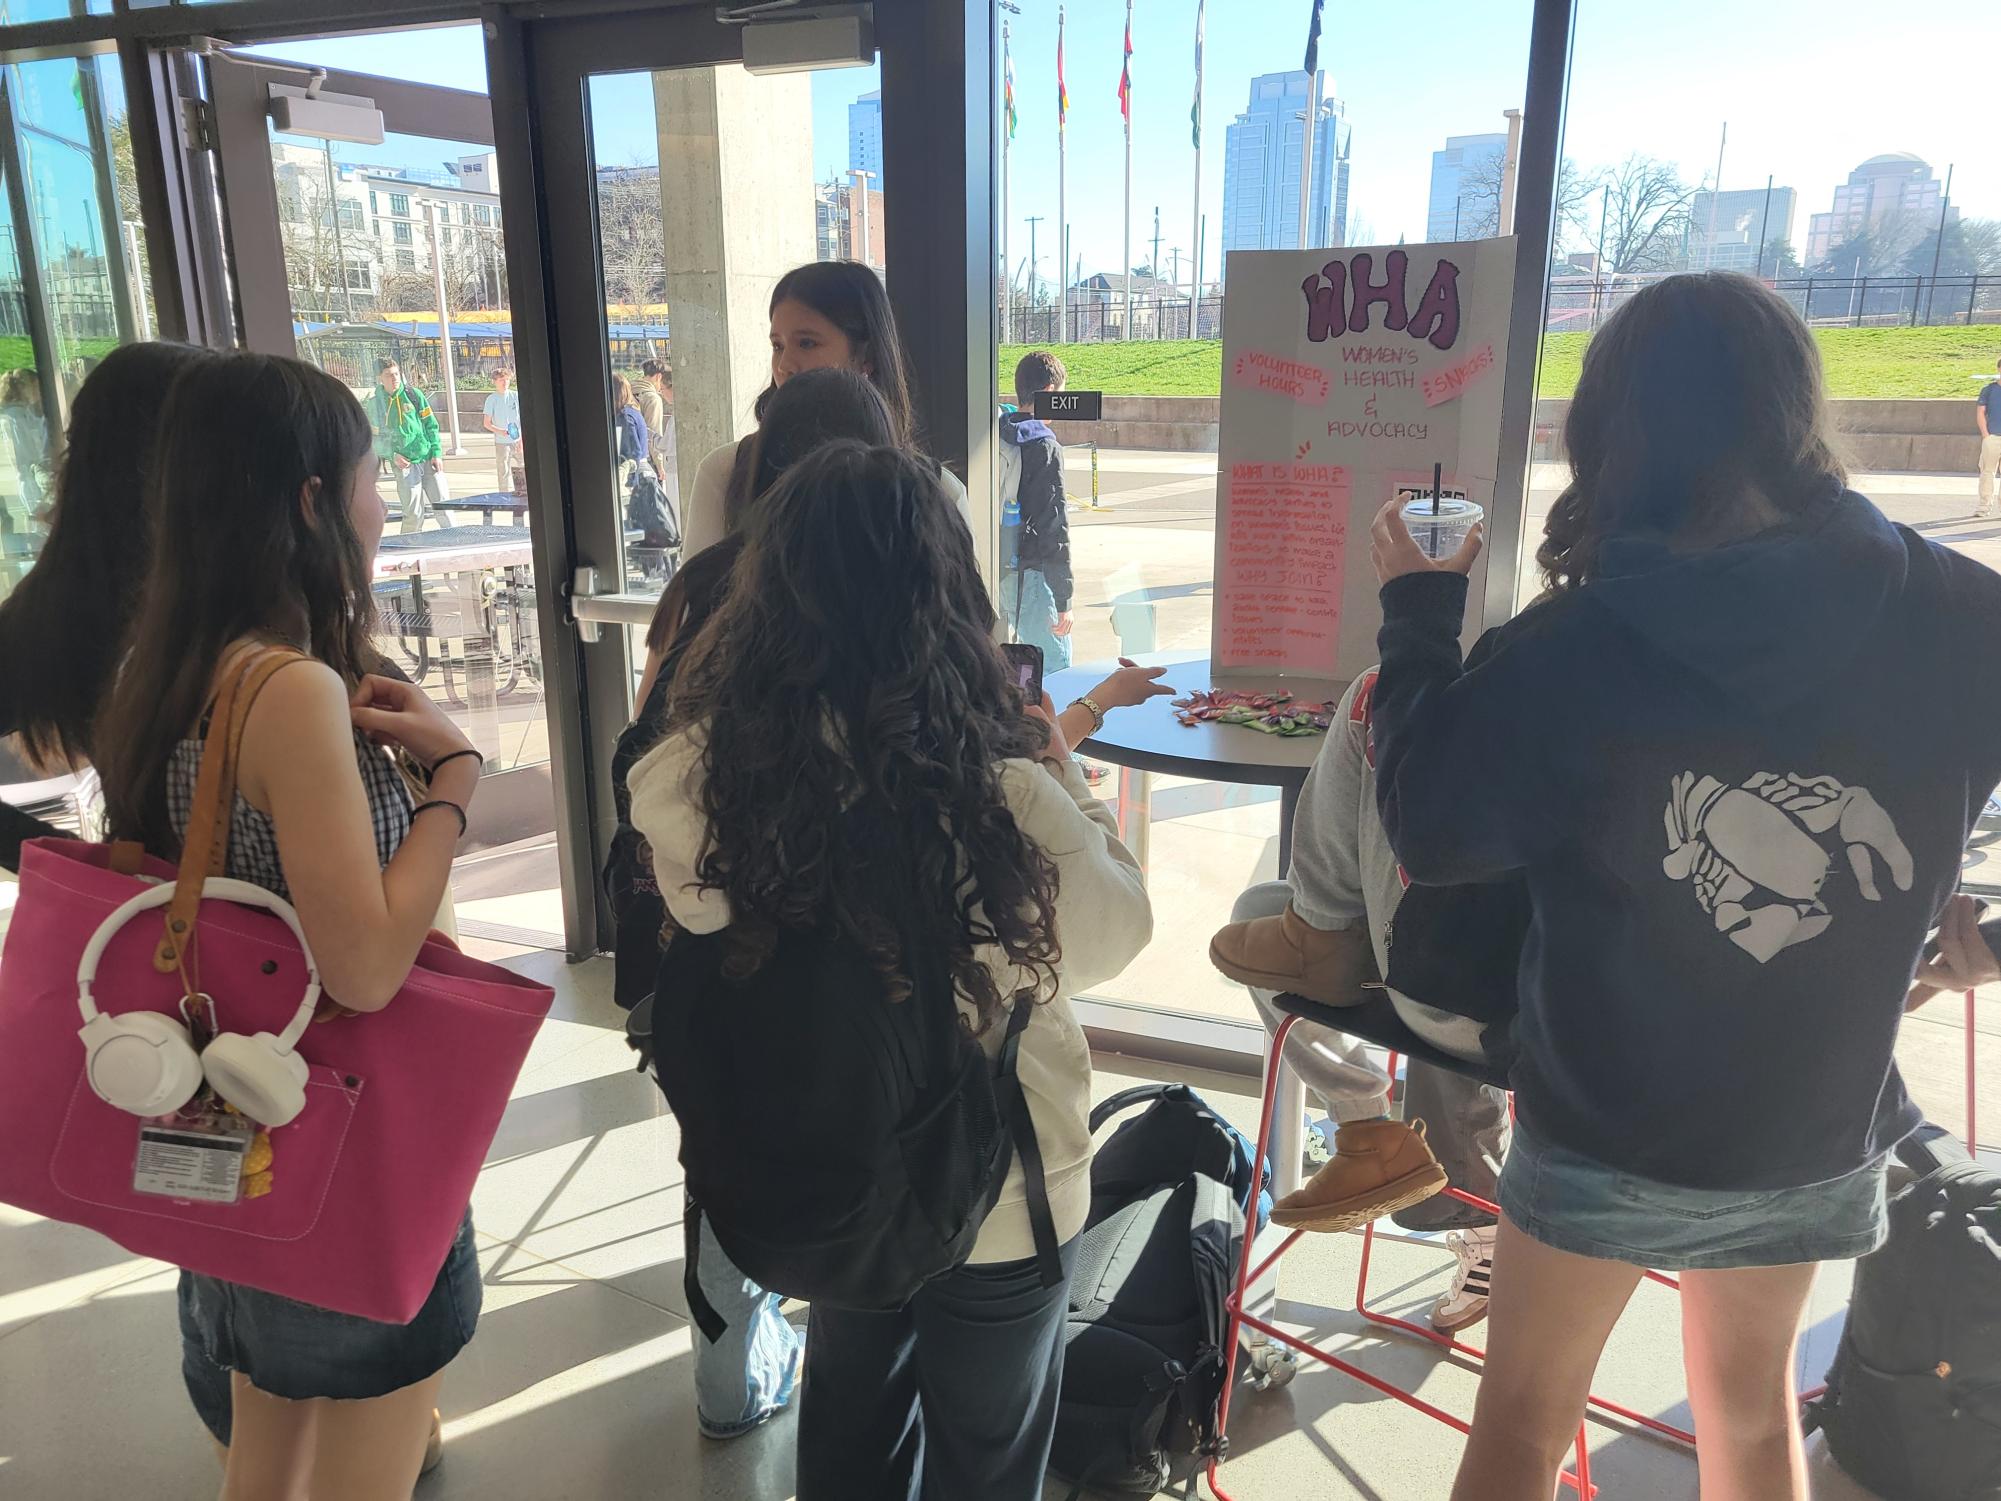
pixel 736 199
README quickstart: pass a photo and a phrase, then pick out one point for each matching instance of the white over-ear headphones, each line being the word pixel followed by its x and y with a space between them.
pixel 144 1062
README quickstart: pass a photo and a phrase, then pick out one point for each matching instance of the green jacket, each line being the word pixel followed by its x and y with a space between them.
pixel 404 424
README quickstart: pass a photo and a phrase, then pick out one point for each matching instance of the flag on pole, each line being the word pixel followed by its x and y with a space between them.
pixel 1126 73
pixel 1313 40
pixel 1195 114
pixel 1062 93
pixel 1007 57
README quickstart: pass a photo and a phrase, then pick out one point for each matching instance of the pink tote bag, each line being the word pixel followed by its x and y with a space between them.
pixel 368 1183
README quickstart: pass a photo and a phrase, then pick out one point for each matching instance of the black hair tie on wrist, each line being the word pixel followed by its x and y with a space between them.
pixel 443 761
pixel 441 803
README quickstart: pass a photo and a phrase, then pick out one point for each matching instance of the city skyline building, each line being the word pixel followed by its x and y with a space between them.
pixel 1898 185
pixel 1261 167
pixel 1465 199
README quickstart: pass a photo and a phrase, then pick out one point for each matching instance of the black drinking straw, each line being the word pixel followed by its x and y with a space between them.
pixel 1437 484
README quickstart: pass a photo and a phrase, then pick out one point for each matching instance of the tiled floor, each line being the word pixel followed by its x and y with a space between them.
pixel 579 1384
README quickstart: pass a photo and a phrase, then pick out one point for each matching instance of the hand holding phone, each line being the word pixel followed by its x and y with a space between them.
pixel 1024 668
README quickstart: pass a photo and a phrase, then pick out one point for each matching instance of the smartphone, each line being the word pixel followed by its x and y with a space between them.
pixel 1025 664
pixel 1990 931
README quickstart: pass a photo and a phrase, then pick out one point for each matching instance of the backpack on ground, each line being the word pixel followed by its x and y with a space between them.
pixel 1144 1365
pixel 1913 1402
pixel 914 1129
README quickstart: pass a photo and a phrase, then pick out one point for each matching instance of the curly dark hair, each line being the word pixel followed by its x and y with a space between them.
pixel 856 714
pixel 1701 391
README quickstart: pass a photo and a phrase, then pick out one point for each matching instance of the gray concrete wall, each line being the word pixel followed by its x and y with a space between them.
pixel 1881 436
pixel 1878 435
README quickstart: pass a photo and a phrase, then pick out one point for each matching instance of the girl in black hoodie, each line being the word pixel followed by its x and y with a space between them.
pixel 1736 752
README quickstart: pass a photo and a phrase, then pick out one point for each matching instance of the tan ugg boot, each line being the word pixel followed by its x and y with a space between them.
pixel 1378 1166
pixel 1288 953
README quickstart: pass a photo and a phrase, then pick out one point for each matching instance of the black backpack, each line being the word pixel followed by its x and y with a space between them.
pixel 914 1130
pixel 1913 1402
pixel 648 511
pixel 1144 1365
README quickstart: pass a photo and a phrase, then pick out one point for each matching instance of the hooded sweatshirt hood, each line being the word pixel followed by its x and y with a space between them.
pixel 1769 620
pixel 1022 428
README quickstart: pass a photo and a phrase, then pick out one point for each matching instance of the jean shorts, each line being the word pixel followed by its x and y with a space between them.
pixel 1575 1203
pixel 298 1351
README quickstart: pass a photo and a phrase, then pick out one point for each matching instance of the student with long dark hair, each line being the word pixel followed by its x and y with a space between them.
pixel 824 315
pixel 843 730
pixel 752 1371
pixel 267 519
pixel 64 627
pixel 1736 751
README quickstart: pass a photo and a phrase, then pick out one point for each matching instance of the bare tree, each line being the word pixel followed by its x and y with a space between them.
pixel 630 234
pixel 318 253
pixel 1480 199
pixel 1643 216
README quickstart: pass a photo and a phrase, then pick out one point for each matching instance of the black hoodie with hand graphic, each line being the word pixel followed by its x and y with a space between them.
pixel 1739 784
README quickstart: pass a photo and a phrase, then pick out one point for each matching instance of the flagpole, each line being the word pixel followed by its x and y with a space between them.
pixel 1007 276
pixel 1126 254
pixel 1306 155
pixel 1195 272
pixel 1062 196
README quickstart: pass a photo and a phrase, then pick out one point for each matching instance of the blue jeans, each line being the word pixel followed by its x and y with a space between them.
pixel 1029 607
pixel 752 1371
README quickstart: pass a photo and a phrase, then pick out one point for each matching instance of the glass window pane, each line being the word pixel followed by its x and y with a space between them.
pixel 1141 488
pixel 667 215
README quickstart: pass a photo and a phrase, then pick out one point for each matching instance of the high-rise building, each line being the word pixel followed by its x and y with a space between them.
pixel 1895 186
pixel 1747 222
pixel 1261 168
pixel 865 135
pixel 1465 199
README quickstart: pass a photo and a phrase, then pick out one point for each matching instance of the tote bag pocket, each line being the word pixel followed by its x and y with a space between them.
pixel 94 1155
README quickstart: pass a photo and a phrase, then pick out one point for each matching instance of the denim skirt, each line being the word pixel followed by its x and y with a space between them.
pixel 296 1350
pixel 1575 1203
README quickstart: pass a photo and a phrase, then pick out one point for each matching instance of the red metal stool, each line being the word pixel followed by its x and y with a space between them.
pixel 1376 1021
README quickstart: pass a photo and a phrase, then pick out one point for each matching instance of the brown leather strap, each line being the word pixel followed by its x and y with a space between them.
pixel 205 845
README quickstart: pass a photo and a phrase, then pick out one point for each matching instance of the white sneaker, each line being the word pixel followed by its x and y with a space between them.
pixel 1466 1304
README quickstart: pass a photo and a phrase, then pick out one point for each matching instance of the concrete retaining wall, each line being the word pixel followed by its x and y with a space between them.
pixel 1878 435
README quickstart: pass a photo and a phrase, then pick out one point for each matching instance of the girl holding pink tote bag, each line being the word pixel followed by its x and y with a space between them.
pixel 271 767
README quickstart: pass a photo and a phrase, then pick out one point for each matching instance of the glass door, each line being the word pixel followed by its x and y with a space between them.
pixel 382 260
pixel 668 186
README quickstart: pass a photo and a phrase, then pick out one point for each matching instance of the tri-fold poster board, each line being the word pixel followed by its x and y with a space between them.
pixel 1347 374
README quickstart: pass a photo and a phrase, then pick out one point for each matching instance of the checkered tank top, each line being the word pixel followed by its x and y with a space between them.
pixel 253 844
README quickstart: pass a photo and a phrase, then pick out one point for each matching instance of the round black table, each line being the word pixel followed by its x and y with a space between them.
pixel 1147 738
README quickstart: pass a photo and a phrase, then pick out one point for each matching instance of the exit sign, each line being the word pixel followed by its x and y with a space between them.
pixel 1070 406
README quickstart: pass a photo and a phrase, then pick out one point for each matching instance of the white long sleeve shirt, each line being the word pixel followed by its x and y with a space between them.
pixel 1103 920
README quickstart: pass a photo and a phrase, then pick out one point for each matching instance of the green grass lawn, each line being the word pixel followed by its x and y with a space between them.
pixel 16 353
pixel 1941 362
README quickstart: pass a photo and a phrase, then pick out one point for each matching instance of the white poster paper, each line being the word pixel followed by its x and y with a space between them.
pixel 1347 374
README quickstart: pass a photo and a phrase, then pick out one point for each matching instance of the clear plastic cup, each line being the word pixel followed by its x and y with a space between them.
pixel 1441 533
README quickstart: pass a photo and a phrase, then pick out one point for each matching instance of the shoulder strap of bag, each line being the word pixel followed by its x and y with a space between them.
pixel 1021 1130
pixel 205 844
pixel 1125 1099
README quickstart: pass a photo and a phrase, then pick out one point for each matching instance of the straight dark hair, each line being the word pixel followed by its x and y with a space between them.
pixel 855 714
pixel 1701 393
pixel 257 459
pixel 64 628
pixel 850 296
pixel 814 407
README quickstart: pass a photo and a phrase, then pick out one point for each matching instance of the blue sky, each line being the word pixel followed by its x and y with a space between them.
pixel 1810 88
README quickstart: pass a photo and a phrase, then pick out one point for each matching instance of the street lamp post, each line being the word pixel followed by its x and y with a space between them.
pixel 862 176
pixel 445 366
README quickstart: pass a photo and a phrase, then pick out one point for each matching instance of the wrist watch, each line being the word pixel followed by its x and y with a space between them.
pixel 1096 711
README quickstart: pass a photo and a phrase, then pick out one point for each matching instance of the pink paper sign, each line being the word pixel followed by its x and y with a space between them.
pixel 1442 385
pixel 1306 384
pixel 1284 558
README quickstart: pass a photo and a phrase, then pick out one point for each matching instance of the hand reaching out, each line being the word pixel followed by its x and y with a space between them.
pixel 1130 685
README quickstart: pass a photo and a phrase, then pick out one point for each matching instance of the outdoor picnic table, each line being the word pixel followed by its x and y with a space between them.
pixel 490 504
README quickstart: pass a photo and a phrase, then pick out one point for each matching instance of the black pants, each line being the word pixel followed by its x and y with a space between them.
pixel 951 1399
